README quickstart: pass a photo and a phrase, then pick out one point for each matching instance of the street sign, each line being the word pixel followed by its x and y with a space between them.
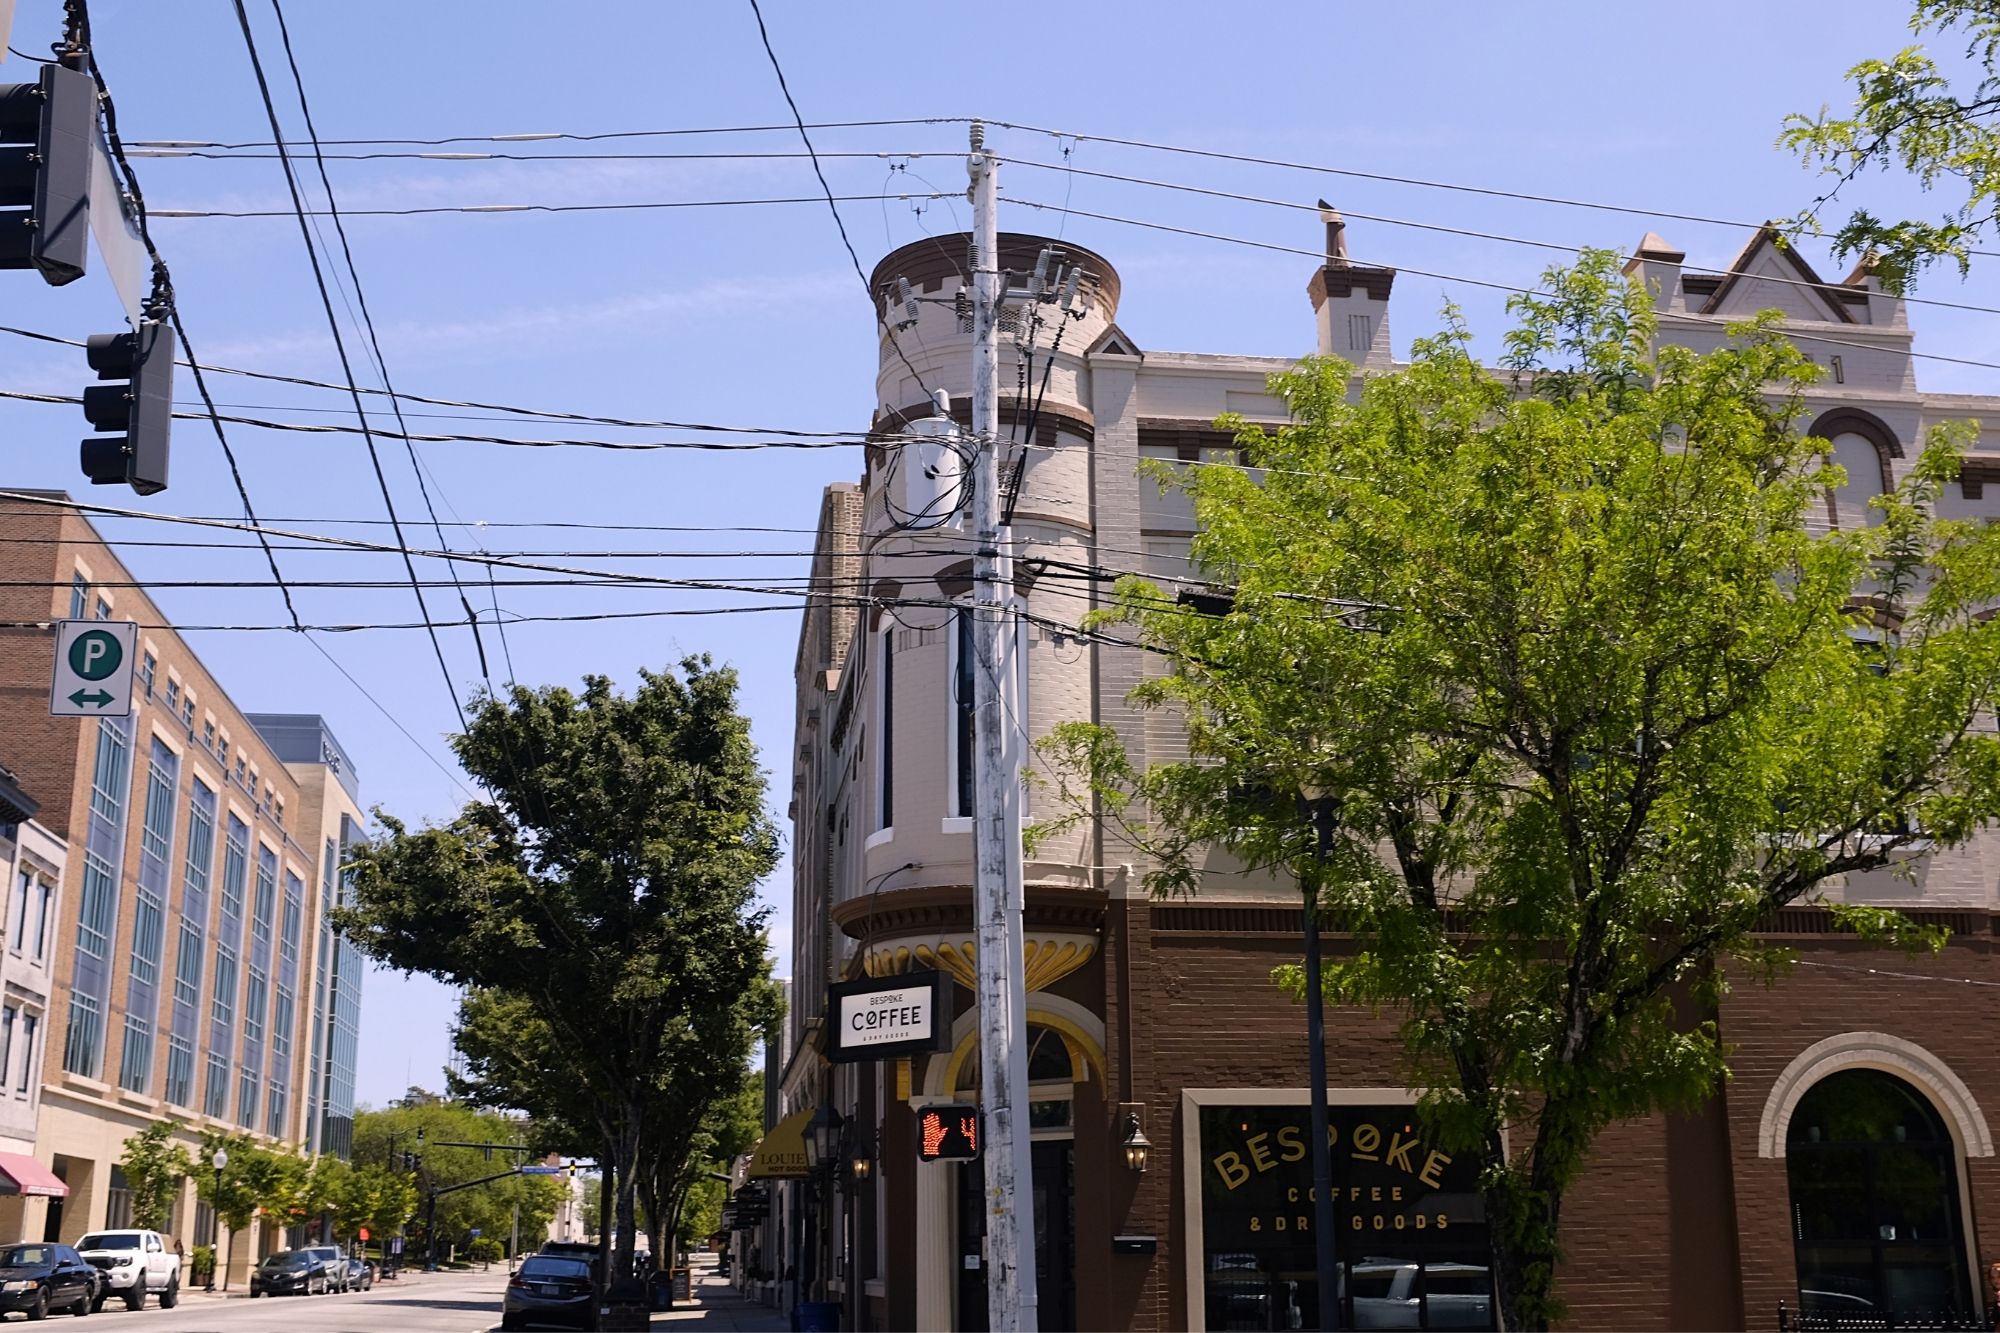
pixel 541 1170
pixel 94 662
pixel 475 1231
pixel 364 1235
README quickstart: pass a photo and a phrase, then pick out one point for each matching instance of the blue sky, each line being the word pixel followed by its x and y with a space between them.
pixel 752 315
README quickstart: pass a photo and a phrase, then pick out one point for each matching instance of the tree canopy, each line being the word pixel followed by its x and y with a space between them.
pixel 381 1188
pixel 607 884
pixel 1911 114
pixel 1594 692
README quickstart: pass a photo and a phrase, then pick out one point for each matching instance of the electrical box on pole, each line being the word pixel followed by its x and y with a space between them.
pixel 140 410
pixel 47 145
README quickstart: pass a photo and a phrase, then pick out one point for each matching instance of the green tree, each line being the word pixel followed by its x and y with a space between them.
pixel 235 1193
pixel 608 882
pixel 1911 115
pixel 155 1164
pixel 489 1207
pixel 1590 697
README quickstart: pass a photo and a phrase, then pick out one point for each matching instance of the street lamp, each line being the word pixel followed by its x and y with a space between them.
pixel 218 1161
pixel 822 1137
pixel 1135 1143
pixel 1322 808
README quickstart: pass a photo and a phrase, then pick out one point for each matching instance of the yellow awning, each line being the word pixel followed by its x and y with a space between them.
pixel 781 1155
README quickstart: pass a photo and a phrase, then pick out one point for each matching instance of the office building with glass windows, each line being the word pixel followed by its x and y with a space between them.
pixel 192 970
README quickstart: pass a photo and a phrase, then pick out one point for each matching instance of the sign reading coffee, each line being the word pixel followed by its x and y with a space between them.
pixel 880 1017
pixel 1409 1224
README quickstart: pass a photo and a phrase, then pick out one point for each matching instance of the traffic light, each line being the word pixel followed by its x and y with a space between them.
pixel 46 151
pixel 141 409
pixel 948 1133
pixel 409 1161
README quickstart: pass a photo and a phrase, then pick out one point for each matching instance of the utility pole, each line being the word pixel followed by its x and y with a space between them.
pixel 996 803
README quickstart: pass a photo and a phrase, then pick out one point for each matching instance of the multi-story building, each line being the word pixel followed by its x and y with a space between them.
pixel 1163 1013
pixel 189 954
pixel 32 860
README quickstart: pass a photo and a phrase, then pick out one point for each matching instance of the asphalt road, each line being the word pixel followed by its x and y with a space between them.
pixel 426 1303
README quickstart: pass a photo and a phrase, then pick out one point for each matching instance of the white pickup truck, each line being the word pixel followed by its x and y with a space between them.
pixel 133 1263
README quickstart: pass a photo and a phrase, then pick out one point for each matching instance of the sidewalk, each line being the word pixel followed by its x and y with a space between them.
pixel 718 1306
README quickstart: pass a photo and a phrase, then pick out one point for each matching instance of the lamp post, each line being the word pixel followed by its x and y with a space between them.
pixel 822 1145
pixel 219 1160
pixel 1321 808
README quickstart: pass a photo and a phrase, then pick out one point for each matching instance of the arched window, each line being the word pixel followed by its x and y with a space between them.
pixel 1874 1193
pixel 1863 445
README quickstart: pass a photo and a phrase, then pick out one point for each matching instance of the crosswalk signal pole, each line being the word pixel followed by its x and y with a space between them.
pixel 996 804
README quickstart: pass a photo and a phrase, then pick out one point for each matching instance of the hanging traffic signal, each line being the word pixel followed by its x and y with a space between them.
pixel 141 409
pixel 46 151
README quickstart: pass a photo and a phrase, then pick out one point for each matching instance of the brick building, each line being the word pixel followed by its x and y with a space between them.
pixel 193 978
pixel 1849 1158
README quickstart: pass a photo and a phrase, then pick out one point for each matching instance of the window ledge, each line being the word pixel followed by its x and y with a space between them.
pixel 878 838
pixel 955 824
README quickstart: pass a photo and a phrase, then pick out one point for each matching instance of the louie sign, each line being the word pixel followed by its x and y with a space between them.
pixel 878 1018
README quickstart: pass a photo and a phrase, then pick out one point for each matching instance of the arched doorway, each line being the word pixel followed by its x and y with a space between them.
pixel 1876 1219
pixel 1055 1067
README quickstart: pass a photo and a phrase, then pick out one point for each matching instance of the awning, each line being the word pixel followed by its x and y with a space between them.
pixel 22 1174
pixel 782 1153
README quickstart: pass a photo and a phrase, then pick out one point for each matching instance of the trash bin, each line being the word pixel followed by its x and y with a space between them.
pixel 816 1317
pixel 660 1289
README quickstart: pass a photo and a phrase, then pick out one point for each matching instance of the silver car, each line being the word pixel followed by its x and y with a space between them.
pixel 334 1262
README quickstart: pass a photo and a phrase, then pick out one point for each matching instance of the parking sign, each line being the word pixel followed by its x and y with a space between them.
pixel 94 664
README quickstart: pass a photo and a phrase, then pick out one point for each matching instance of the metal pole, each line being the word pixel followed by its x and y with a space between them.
pixel 1322 1154
pixel 996 828
pixel 431 1234
pixel 215 1210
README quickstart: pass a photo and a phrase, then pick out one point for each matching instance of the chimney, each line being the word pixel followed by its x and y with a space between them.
pixel 1350 301
pixel 1657 266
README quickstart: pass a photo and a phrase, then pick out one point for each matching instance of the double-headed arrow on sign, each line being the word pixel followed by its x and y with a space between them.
pixel 95 698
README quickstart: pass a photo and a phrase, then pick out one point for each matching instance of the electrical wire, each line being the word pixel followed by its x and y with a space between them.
pixel 368 326
pixel 788 127
pixel 163 285
pixel 340 343
pixel 833 207
pixel 427 210
pixel 877 154
pixel 1821 286
pixel 549 414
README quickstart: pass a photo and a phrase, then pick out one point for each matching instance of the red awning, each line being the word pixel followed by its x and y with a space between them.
pixel 22 1174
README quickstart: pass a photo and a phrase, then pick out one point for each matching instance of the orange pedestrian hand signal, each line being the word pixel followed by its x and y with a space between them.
pixel 948 1133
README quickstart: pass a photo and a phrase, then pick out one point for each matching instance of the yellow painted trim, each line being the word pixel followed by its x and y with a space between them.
pixel 1078 1042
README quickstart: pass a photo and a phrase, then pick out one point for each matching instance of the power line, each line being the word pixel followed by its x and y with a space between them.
pixel 626 422
pixel 875 154
pixel 787 128
pixel 163 287
pixel 655 205
pixel 833 207
pixel 340 343
pixel 1449 231
pixel 374 343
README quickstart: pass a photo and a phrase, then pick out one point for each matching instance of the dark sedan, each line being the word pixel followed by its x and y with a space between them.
pixel 289 1273
pixel 360 1274
pixel 549 1289
pixel 41 1278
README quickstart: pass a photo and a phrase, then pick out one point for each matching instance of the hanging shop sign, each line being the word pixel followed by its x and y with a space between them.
pixel 878 1018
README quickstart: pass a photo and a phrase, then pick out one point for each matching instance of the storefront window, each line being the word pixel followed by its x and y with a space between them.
pixel 1874 1192
pixel 1411 1239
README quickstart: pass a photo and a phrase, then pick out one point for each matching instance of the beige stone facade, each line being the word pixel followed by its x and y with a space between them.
pixel 1165 1011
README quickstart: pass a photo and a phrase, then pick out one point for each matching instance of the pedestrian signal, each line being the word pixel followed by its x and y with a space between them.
pixel 948 1133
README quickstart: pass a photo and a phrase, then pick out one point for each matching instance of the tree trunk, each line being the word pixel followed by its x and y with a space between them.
pixel 1525 1217
pixel 627 1149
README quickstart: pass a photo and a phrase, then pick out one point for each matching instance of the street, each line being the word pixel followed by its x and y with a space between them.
pixel 434 1303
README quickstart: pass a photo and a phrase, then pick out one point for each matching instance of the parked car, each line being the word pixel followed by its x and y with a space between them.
pixel 41 1278
pixel 360 1274
pixel 550 1289
pixel 134 1262
pixel 289 1273
pixel 334 1261
pixel 585 1250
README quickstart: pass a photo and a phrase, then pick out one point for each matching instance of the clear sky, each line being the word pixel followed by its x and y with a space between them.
pixel 752 315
